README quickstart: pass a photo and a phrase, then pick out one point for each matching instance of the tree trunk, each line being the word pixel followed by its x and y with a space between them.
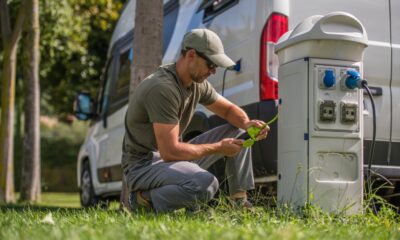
pixel 147 44
pixel 6 131
pixel 10 44
pixel 147 48
pixel 30 182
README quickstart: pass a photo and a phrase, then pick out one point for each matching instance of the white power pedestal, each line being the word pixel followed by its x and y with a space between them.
pixel 320 128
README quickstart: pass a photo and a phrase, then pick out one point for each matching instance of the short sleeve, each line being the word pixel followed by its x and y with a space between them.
pixel 162 104
pixel 208 95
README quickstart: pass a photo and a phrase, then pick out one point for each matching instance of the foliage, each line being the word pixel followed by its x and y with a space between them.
pixel 60 145
pixel 223 222
pixel 74 42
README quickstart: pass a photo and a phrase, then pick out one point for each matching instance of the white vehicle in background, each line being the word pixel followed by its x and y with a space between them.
pixel 248 29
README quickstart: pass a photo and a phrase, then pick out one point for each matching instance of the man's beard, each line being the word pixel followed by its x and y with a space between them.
pixel 197 79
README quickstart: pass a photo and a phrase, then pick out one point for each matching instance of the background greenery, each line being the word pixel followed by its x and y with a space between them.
pixel 60 143
pixel 74 39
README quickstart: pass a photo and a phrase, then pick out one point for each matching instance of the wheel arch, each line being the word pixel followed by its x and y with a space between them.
pixel 79 168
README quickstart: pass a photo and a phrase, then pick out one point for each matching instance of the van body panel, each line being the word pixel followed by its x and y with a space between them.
pixel 187 9
pixel 239 37
pixel 125 24
pixel 395 23
pixel 116 131
pixel 90 151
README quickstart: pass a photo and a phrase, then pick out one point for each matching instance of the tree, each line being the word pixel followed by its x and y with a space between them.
pixel 147 48
pixel 73 42
pixel 30 184
pixel 10 39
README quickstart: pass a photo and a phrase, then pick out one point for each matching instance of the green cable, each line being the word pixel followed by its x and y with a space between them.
pixel 272 120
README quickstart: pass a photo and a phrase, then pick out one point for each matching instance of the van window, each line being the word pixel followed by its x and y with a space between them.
pixel 120 92
pixel 105 89
pixel 124 73
pixel 214 7
pixel 123 54
pixel 171 9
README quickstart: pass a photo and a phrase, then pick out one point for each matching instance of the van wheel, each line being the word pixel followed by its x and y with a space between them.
pixel 87 195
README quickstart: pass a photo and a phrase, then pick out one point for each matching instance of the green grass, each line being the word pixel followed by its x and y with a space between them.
pixel 222 222
pixel 60 200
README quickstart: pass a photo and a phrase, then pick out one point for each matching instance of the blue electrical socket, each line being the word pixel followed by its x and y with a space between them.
pixel 238 65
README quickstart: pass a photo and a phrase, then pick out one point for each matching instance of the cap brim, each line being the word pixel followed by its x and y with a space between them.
pixel 221 60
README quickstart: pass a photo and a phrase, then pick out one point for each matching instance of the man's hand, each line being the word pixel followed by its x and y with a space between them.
pixel 230 146
pixel 259 124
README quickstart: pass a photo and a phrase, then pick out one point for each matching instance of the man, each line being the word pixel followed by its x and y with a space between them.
pixel 164 173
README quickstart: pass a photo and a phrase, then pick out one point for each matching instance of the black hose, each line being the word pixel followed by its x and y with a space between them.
pixel 223 82
pixel 364 84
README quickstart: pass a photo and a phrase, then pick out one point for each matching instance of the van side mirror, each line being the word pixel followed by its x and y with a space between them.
pixel 83 106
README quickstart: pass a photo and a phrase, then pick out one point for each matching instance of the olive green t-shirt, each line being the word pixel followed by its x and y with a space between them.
pixel 160 98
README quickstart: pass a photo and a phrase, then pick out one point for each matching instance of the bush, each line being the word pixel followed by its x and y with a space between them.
pixel 60 145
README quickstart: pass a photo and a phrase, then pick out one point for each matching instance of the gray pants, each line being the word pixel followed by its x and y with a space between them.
pixel 174 185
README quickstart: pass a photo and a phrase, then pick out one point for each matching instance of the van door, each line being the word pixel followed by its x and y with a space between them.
pixel 100 135
pixel 110 170
pixel 395 83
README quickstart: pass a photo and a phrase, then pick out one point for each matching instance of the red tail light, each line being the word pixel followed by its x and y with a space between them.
pixel 276 26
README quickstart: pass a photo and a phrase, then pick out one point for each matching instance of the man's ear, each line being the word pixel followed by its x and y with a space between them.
pixel 191 53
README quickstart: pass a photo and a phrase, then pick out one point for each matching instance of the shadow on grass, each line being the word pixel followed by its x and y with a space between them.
pixel 21 208
pixel 39 208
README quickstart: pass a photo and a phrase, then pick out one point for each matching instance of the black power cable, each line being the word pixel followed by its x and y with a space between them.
pixel 364 84
pixel 223 82
pixel 237 68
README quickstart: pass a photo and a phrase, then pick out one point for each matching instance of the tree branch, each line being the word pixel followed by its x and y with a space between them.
pixel 16 34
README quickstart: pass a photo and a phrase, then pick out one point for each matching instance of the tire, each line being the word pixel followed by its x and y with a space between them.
pixel 86 193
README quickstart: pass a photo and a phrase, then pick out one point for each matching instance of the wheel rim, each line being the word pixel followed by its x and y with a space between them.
pixel 86 187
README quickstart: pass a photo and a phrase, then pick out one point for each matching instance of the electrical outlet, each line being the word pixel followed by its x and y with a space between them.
pixel 327 78
pixel 348 112
pixel 327 111
pixel 343 76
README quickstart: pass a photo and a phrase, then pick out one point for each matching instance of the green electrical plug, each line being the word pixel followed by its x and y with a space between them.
pixel 254 131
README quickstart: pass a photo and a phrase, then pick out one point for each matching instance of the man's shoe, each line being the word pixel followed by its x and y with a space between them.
pixel 193 209
pixel 137 202
pixel 242 203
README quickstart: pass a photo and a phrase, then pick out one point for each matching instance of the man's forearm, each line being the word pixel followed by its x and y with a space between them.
pixel 187 152
pixel 237 117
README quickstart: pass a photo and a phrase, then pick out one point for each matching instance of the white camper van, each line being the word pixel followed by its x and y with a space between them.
pixel 249 29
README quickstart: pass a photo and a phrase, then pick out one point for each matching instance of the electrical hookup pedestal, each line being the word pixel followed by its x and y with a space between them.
pixel 320 128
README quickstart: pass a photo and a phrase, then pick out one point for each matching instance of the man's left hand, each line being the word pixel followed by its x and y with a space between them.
pixel 260 124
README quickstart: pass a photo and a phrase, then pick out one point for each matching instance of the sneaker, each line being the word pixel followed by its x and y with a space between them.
pixel 193 209
pixel 242 203
pixel 138 202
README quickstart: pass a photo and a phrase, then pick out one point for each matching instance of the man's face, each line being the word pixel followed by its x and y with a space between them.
pixel 201 68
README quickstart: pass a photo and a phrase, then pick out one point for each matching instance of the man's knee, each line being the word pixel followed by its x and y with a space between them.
pixel 202 185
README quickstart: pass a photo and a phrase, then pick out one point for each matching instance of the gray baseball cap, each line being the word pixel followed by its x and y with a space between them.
pixel 208 43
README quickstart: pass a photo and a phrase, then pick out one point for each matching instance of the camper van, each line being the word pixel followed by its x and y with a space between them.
pixel 249 30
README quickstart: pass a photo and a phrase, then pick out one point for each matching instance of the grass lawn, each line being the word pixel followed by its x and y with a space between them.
pixel 58 216
pixel 60 200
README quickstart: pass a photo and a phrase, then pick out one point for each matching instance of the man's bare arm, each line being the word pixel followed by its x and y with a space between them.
pixel 167 136
pixel 236 116
pixel 230 112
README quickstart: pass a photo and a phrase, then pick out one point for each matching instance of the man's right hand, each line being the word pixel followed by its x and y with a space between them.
pixel 231 146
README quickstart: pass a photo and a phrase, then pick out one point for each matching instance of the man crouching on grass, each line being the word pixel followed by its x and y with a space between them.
pixel 162 172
